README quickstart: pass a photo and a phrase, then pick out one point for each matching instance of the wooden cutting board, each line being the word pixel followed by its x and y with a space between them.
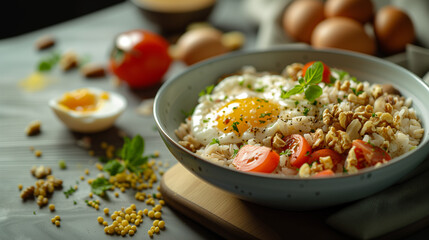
pixel 233 218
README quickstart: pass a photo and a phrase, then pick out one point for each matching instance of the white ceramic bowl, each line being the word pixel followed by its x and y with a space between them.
pixel 181 93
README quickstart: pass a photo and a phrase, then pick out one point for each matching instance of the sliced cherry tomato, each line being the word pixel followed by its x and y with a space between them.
pixel 140 58
pixel 252 158
pixel 324 173
pixel 336 157
pixel 368 155
pixel 299 148
pixel 326 71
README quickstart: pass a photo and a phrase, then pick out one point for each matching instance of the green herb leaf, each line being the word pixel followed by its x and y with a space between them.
pixel 69 192
pixel 306 110
pixel 261 89
pixel 214 141
pixel 286 152
pixel 208 90
pixel 313 92
pixel 297 89
pixel 47 63
pixel 314 74
pixel 114 167
pixel 100 185
pixel 235 153
pixel 234 126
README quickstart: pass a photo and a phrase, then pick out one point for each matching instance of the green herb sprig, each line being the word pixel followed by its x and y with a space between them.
pixel 100 185
pixel 48 62
pixel 308 84
pixel 69 192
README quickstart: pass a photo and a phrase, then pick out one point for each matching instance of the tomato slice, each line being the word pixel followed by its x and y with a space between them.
pixel 324 173
pixel 368 155
pixel 336 157
pixel 252 158
pixel 326 71
pixel 299 148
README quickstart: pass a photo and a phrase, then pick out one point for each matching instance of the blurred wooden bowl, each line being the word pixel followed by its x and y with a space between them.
pixel 174 16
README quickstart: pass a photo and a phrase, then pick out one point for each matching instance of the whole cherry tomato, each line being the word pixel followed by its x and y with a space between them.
pixel 140 58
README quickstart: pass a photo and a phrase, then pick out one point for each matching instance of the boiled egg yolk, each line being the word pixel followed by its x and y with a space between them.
pixel 241 114
pixel 82 100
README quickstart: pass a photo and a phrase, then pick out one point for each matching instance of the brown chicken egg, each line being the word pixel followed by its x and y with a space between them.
pixel 359 10
pixel 199 44
pixel 301 17
pixel 342 33
pixel 393 29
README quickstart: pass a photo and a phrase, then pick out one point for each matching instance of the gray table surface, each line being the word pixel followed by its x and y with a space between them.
pixel 92 36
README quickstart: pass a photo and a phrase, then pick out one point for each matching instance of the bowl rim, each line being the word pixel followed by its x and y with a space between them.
pixel 285 48
pixel 146 7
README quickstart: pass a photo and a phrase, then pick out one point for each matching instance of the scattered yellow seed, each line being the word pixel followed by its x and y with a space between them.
pixel 151 214
pixel 100 219
pixel 131 232
pixel 134 228
pixel 162 202
pixel 122 189
pixel 53 220
pixel 155 223
pixel 90 181
pixel 82 178
pixel 90 195
pixel 57 218
pixel 38 153
pixel 133 206
pixel 158 195
pixel 105 223
pixel 106 211
pixel 156 154
pixel 97 207
pixel 157 207
pixel 157 215
pixel 87 171
pixel 140 212
pixel 157 229
pixel 124 223
pixel 57 223
pixel 123 232
pixel 137 223
pixel 150 232
pixel 116 194
pixel 128 210
pixel 99 166
pixel 161 224
pixel 114 216
pixel 145 211
pixel 75 187
pixel 97 201
pixel 20 187
pixel 52 207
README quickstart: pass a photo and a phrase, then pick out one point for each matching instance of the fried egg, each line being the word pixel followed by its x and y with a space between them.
pixel 244 107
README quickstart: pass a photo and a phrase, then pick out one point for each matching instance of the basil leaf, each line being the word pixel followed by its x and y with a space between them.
pixel 295 90
pixel 314 73
pixel 113 167
pixel 313 92
pixel 100 185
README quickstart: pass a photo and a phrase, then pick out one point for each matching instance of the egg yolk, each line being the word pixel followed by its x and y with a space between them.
pixel 241 114
pixel 81 100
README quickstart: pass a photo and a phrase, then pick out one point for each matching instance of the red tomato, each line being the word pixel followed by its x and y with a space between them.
pixel 368 155
pixel 336 157
pixel 252 158
pixel 324 173
pixel 326 71
pixel 299 148
pixel 140 58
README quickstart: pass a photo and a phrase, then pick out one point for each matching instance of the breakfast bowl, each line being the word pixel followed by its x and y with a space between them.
pixel 174 16
pixel 180 94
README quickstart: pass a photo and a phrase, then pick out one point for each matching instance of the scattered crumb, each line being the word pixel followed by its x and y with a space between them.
pixel 41 171
pixel 45 42
pixel 68 61
pixel 38 153
pixel 33 128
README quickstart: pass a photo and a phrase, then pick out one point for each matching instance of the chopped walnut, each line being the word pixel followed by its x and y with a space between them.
pixel 327 162
pixel 362 99
pixel 318 138
pixel 41 171
pixel 345 118
pixel 316 167
pixel 278 141
pixel 351 161
pixel 293 71
pixel 377 91
pixel 345 86
pixel 338 140
pixel 304 170
pixel 68 61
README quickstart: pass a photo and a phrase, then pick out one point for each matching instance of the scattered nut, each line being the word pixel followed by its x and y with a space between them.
pixel 45 42
pixel 68 61
pixel 33 128
pixel 93 70
pixel 38 153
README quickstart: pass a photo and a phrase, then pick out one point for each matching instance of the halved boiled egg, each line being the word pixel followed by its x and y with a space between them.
pixel 88 109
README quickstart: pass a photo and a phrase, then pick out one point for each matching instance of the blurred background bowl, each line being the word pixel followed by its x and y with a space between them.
pixel 180 94
pixel 173 16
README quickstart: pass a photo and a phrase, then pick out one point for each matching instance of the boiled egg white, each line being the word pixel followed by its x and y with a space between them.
pixel 88 109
